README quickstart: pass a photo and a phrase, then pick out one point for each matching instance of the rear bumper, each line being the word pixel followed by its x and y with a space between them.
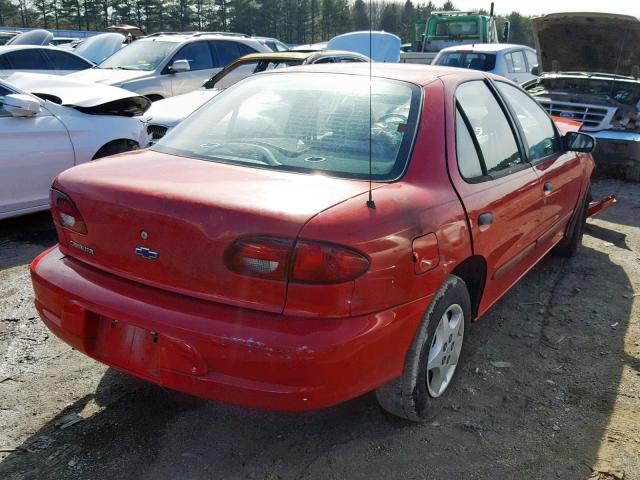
pixel 217 351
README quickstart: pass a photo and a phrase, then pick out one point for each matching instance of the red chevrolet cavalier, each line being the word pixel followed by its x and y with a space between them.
pixel 313 234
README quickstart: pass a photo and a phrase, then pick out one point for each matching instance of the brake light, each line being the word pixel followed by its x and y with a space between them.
pixel 66 213
pixel 313 262
pixel 263 257
pixel 317 262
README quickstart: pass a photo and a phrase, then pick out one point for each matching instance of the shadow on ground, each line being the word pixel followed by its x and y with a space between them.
pixel 23 238
pixel 541 415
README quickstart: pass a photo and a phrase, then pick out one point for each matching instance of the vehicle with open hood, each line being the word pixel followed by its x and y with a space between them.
pixel 589 65
pixel 49 124
pixel 314 233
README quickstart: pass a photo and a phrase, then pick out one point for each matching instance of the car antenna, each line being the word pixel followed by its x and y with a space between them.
pixel 370 203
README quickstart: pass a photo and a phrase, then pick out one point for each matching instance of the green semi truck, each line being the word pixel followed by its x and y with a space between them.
pixel 447 29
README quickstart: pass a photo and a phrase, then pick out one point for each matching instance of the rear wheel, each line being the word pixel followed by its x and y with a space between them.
pixel 434 356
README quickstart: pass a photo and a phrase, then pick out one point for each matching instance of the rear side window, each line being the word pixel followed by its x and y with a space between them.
pixel 498 148
pixel 27 59
pixel 66 61
pixel 472 60
pixel 532 59
pixel 541 137
pixel 468 159
pixel 228 51
pixel 197 54
pixel 515 62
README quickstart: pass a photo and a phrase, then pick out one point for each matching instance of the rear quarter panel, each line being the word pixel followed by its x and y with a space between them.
pixel 422 202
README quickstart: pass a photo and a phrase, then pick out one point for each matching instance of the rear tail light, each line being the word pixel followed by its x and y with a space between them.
pixel 66 213
pixel 309 262
pixel 316 262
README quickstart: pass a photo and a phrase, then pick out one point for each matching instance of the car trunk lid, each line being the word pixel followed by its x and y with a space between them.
pixel 168 221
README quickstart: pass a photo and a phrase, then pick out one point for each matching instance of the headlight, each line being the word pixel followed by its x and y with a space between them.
pixel 626 118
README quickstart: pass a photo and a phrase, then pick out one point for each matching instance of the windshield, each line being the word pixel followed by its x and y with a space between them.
pixel 305 122
pixel 475 61
pixel 447 28
pixel 139 55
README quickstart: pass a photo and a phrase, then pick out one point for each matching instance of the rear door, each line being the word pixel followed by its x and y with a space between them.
pixel 499 189
pixel 558 171
pixel 201 66
pixel 34 150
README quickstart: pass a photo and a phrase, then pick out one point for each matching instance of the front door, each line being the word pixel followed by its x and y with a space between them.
pixel 200 61
pixel 558 172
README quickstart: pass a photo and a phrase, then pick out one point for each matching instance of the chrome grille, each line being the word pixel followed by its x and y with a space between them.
pixel 156 132
pixel 593 117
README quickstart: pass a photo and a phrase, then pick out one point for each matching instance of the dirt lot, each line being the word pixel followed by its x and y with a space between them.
pixel 564 401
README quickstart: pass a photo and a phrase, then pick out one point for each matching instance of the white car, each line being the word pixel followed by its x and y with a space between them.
pixel 39 59
pixel 49 124
pixel 163 65
pixel 514 62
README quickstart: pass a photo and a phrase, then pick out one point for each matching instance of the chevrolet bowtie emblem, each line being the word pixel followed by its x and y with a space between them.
pixel 147 253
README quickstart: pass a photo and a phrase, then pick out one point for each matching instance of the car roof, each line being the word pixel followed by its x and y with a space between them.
pixel 486 47
pixel 10 48
pixel 407 72
pixel 183 37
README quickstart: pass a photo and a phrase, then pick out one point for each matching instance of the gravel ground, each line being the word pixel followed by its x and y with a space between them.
pixel 551 389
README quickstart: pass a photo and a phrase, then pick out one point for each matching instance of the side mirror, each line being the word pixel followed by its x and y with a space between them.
pixel 180 66
pixel 20 105
pixel 505 31
pixel 535 70
pixel 579 142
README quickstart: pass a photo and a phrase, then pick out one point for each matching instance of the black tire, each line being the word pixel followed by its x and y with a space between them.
pixel 115 147
pixel 409 396
pixel 570 244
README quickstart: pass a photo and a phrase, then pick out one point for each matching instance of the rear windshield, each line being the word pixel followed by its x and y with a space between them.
pixel 307 123
pixel 473 60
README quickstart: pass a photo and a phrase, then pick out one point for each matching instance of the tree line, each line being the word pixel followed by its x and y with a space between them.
pixel 292 21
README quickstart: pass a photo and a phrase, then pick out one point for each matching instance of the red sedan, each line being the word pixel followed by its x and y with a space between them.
pixel 312 234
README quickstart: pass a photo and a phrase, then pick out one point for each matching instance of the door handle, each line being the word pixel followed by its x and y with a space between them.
pixel 548 186
pixel 485 219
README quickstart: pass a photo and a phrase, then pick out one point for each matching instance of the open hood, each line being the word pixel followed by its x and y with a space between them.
pixel 588 42
pixel 86 97
pixel 171 111
pixel 99 47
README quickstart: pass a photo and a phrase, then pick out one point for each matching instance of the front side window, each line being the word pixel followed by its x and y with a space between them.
pixel 140 55
pixel 537 126
pixel 27 59
pixel 197 54
pixel 472 60
pixel 532 59
pixel 490 127
pixel 306 123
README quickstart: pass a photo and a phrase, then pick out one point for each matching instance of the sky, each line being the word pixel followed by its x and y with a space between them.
pixel 537 7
